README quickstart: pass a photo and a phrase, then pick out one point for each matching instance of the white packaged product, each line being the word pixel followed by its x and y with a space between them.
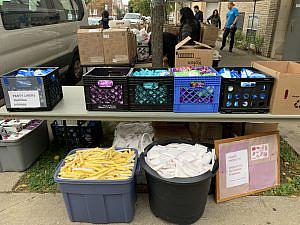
pixel 133 135
pixel 180 160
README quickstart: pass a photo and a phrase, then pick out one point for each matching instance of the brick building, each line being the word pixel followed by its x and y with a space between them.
pixel 269 22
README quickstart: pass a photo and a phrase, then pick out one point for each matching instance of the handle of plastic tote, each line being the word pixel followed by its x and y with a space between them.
pixel 142 140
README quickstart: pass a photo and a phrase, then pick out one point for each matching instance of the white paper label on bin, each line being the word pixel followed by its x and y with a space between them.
pixel 24 99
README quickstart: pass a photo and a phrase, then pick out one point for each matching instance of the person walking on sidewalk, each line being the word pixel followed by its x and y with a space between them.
pixel 198 14
pixel 215 19
pixel 230 25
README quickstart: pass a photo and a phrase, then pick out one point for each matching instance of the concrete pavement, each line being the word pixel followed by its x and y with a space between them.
pixel 9 180
pixel 49 209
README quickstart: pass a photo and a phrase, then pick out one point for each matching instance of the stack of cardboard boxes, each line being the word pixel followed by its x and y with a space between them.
pixel 106 47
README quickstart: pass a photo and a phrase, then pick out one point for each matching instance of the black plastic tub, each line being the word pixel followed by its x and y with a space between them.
pixel 177 200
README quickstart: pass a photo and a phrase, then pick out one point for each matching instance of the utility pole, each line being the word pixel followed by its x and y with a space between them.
pixel 157 20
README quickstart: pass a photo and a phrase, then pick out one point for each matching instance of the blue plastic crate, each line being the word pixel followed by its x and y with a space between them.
pixel 196 94
pixel 99 201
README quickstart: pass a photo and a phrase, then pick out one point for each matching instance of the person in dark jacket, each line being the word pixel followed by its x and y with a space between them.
pixel 198 14
pixel 105 19
pixel 215 19
pixel 189 25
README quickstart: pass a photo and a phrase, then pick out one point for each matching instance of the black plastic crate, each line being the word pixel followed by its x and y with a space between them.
pixel 106 89
pixel 81 134
pixel 34 93
pixel 245 95
pixel 151 93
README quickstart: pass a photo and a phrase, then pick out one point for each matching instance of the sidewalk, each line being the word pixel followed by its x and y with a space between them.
pixel 237 57
pixel 48 209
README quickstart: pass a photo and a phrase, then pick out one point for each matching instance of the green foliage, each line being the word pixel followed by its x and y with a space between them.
pixel 141 6
pixel 170 6
pixel 243 41
pixel 290 172
pixel 39 177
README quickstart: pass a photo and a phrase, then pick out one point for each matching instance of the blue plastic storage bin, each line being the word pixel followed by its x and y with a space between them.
pixel 196 94
pixel 96 201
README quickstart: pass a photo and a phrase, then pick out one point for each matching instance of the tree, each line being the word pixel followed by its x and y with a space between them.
pixel 140 6
pixel 157 18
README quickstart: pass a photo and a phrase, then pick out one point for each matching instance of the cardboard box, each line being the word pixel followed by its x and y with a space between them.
pixel 173 29
pixel 206 133
pixel 119 24
pixel 193 55
pixel 90 44
pixel 253 128
pixel 166 130
pixel 286 92
pixel 110 46
pixel 209 34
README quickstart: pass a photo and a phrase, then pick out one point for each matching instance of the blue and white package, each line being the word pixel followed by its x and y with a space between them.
pixel 31 73
pixel 245 73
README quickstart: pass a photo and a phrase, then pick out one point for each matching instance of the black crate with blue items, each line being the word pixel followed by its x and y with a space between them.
pixel 151 89
pixel 32 89
pixel 77 133
pixel 245 90
pixel 196 89
pixel 106 89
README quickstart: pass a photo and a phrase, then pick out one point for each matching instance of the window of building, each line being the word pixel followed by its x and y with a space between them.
pixel 253 23
pixel 240 23
pixel 17 14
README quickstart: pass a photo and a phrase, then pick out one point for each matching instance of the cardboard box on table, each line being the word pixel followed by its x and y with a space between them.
pixel 285 98
pixel 106 47
pixel 117 46
pixel 193 55
pixel 209 34
pixel 90 44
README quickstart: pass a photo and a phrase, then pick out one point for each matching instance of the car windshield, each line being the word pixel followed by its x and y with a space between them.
pixel 132 16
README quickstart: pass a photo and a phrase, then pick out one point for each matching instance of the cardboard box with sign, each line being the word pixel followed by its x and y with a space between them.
pixel 106 47
pixel 286 92
pixel 193 55
pixel 90 44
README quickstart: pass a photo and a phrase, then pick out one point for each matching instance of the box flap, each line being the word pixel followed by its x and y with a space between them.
pixel 186 40
pixel 183 42
pixel 202 45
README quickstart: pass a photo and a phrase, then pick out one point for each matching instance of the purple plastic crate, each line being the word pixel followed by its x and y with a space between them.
pixel 106 89
pixel 99 201
pixel 196 94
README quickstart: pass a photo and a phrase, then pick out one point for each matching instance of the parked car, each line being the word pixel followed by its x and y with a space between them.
pixel 94 20
pixel 133 18
pixel 41 35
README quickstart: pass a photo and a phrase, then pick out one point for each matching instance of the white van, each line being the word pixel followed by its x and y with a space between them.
pixel 41 33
